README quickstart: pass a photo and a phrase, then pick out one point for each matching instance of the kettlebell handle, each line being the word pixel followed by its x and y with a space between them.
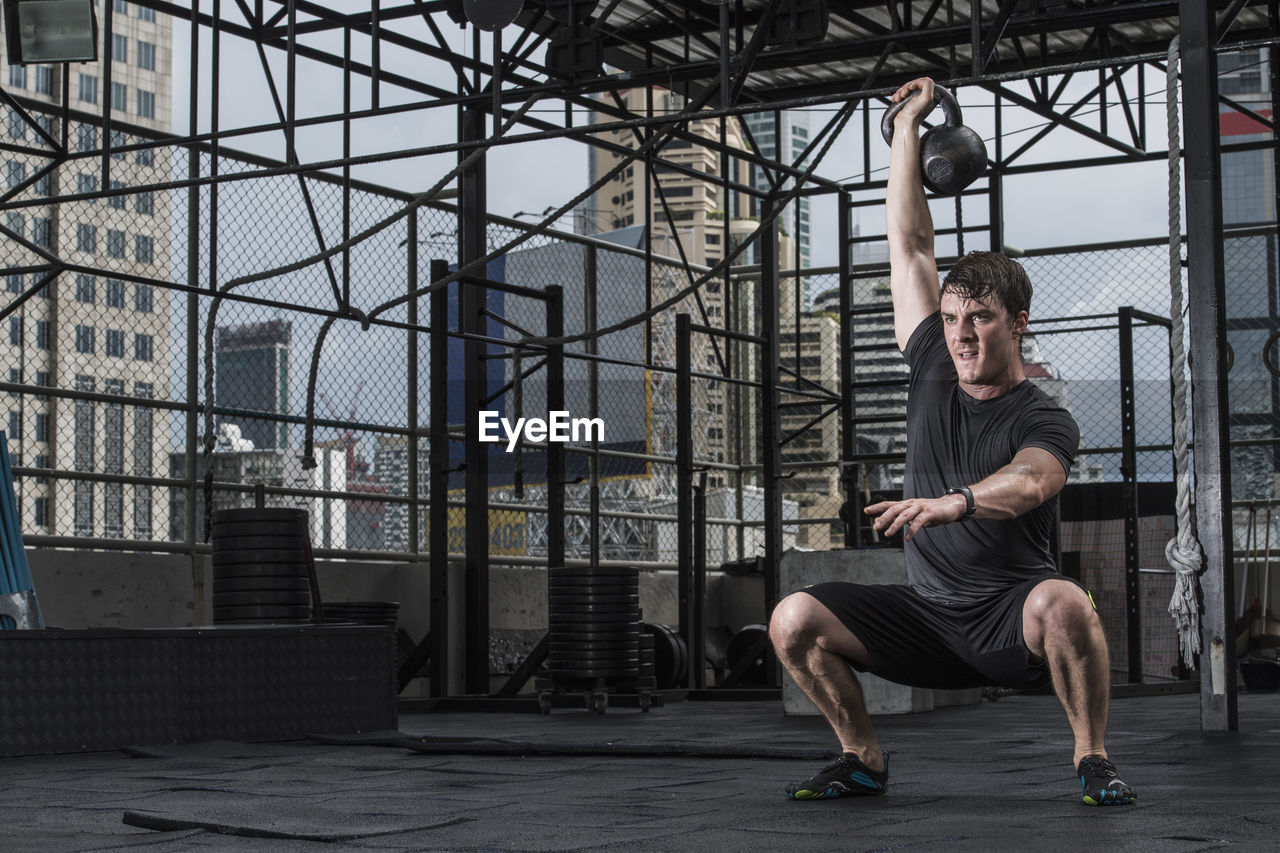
pixel 942 97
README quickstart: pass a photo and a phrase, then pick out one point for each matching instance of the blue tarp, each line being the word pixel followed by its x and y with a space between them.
pixel 15 574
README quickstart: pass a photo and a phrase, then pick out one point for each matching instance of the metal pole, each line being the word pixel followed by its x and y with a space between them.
pixel 438 460
pixel 848 446
pixel 1129 471
pixel 684 483
pixel 1207 335
pixel 995 183
pixel 589 293
pixel 771 420
pixel 472 302
pixel 412 439
pixel 555 449
pixel 697 632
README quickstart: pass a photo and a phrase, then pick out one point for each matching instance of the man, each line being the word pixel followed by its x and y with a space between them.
pixel 987 454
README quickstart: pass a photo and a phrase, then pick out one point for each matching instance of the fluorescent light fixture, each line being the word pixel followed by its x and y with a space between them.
pixel 50 31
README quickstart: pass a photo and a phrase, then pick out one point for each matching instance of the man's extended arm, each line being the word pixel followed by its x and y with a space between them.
pixel 913 272
pixel 1032 477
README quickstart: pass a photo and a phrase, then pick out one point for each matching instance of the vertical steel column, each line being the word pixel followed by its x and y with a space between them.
pixel 1206 301
pixel 411 442
pixel 590 275
pixel 1273 267
pixel 995 184
pixel 194 448
pixel 771 430
pixel 848 446
pixel 438 462
pixel 684 483
pixel 555 450
pixel 697 613
pixel 108 16
pixel 472 299
pixel 1129 471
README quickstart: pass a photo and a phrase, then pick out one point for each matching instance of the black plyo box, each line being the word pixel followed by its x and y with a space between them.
pixel 73 691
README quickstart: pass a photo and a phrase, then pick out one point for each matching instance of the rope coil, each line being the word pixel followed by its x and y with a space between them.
pixel 1183 551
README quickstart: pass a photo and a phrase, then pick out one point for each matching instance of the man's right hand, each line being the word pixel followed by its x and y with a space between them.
pixel 919 105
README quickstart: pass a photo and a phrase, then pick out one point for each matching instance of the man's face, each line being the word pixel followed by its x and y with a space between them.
pixel 982 338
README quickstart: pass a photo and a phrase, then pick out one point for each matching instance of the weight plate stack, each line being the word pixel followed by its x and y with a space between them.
pixel 362 612
pixel 594 622
pixel 260 565
pixel 757 672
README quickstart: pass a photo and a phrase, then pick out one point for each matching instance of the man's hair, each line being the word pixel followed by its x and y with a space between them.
pixel 979 275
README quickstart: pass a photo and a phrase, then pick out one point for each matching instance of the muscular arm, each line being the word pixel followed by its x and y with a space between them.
pixel 1032 477
pixel 913 271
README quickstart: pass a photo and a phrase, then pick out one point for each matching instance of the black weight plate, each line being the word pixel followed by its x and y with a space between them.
pixel 269 583
pixel 262 612
pixel 614 642
pixel 259 555
pixel 580 638
pixel 299 621
pixel 593 661
pixel 271 513
pixel 591 626
pixel 254 570
pixel 259 528
pixel 288 542
pixel 375 604
pixel 595 673
pixel 757 672
pixel 557 582
pixel 275 598
pixel 592 652
pixel 574 600
pixel 594 611
pixel 668 655
pixel 593 572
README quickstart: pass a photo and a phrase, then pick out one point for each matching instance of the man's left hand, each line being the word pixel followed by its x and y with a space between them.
pixel 910 516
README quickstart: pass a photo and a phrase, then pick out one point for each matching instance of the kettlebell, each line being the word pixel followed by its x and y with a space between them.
pixel 952 156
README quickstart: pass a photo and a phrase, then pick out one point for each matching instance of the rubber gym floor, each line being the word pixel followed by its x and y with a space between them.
pixel 687 776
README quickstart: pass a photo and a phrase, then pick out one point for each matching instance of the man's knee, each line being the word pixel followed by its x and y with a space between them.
pixel 1059 609
pixel 793 624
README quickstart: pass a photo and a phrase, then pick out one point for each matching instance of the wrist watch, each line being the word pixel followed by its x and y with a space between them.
pixel 970 509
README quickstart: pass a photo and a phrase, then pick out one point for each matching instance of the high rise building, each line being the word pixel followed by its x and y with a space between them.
pixel 251 373
pixel 784 140
pixel 105 333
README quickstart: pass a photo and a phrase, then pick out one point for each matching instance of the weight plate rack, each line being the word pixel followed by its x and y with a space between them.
pixel 260 569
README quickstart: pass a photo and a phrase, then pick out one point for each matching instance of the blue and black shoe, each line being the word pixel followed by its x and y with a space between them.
pixel 1099 784
pixel 847 776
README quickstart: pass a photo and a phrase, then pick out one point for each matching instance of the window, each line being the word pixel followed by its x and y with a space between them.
pixel 145 14
pixel 18 76
pixel 17 126
pixel 142 347
pixel 43 337
pixel 89 88
pixel 120 6
pixel 44 184
pixel 115 243
pixel 17 223
pixel 15 331
pixel 116 201
pixel 115 343
pixel 15 377
pixel 13 282
pixel 145 202
pixel 86 237
pixel 86 138
pixel 42 427
pixel 41 461
pixel 15 425
pixel 146 55
pixel 86 183
pixel 86 340
pixel 146 157
pixel 44 80
pixel 40 512
pixel 86 288
pixel 119 97
pixel 14 173
pixel 42 231
pixel 42 379
pixel 115 293
pixel 119 48
pixel 143 249
pixel 143 298
pixel 146 104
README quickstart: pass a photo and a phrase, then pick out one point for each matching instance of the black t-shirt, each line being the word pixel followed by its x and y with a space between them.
pixel 956 440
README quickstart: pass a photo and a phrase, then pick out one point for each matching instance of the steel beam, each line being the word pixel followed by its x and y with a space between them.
pixel 1206 304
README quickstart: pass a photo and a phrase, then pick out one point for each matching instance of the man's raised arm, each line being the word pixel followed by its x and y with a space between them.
pixel 913 272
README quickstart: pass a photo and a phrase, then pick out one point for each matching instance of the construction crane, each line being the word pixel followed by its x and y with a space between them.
pixel 346 437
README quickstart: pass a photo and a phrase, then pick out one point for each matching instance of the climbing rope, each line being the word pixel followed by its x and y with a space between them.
pixel 1183 551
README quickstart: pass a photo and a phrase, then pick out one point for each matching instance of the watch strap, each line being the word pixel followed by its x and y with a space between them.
pixel 970 508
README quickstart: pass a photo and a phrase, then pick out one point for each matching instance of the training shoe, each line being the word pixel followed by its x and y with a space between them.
pixel 845 777
pixel 1099 784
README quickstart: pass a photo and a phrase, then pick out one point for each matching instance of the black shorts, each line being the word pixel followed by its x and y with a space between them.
pixel 917 642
